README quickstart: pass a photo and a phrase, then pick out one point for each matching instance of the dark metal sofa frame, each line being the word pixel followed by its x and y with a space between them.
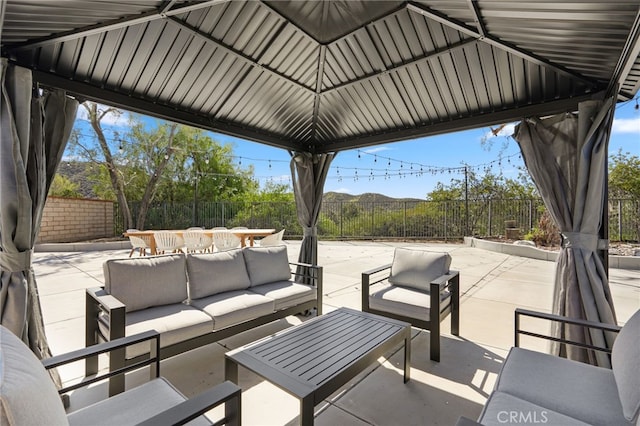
pixel 98 303
pixel 437 313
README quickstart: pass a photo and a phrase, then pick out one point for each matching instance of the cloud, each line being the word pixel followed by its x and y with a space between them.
pixel 112 120
pixel 342 190
pixel 376 149
pixel 626 125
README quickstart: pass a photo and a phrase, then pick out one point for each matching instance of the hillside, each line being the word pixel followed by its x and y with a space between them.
pixel 330 197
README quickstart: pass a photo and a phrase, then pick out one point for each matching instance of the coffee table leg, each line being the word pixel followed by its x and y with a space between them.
pixel 306 411
pixel 230 370
pixel 407 357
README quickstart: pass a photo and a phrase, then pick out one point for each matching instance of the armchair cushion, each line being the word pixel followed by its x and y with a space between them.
pixel 502 408
pixel 417 268
pixel 133 406
pixel 267 264
pixel 146 282
pixel 214 273
pixel 27 393
pixel 404 301
pixel 625 360
pixel 577 390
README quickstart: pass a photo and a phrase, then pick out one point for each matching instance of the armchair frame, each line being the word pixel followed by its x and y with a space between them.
pixel 226 393
pixel 519 312
pixel 437 314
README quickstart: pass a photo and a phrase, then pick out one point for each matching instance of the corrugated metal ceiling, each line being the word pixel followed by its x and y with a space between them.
pixel 330 75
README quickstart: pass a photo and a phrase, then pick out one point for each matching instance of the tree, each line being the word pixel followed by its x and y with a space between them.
pixel 624 176
pixel 169 161
pixel 483 188
pixel 64 187
pixel 624 182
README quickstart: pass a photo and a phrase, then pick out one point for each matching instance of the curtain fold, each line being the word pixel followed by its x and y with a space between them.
pixel 34 131
pixel 566 156
pixel 308 175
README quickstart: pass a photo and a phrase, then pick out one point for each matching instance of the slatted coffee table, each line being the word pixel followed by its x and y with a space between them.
pixel 312 360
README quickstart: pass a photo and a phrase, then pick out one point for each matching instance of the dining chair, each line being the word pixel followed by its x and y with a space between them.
pixel 272 240
pixel 168 242
pixel 195 240
pixel 140 243
pixel 225 240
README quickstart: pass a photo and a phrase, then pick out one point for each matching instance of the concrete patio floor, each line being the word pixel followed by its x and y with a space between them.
pixel 492 286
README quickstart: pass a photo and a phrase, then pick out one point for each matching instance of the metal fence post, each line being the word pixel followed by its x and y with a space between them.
pixel 404 220
pixel 489 214
pixel 619 220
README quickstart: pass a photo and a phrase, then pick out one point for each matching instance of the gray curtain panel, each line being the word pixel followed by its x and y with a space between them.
pixel 308 175
pixel 566 156
pixel 33 133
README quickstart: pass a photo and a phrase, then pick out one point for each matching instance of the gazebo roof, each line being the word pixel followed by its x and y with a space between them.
pixel 330 75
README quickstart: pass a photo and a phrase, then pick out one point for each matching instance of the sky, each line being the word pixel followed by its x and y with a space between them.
pixel 394 169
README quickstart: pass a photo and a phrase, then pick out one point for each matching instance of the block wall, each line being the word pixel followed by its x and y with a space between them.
pixel 68 220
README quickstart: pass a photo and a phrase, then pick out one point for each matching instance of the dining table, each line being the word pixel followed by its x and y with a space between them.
pixel 245 235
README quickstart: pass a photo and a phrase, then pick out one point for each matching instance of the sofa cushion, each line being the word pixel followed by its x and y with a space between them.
pixel 214 273
pixel 504 409
pixel 572 388
pixel 404 301
pixel 417 268
pixel 134 406
pixel 175 323
pixel 267 264
pixel 625 363
pixel 235 307
pixel 28 396
pixel 141 283
pixel 286 293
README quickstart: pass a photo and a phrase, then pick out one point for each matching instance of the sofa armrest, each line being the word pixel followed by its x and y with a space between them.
pixel 225 393
pixel 105 308
pixel 565 320
pixel 309 274
pixel 152 336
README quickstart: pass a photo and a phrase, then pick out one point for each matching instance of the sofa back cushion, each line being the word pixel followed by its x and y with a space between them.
pixel 417 268
pixel 213 273
pixel 27 393
pixel 141 283
pixel 267 264
pixel 625 363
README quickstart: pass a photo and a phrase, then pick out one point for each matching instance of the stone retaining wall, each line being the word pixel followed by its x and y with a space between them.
pixel 73 219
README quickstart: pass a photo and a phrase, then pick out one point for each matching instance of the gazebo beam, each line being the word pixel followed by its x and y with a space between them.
pixel 432 129
pixel 142 106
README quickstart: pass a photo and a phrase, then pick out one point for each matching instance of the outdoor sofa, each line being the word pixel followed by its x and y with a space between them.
pixel 195 299
pixel 538 388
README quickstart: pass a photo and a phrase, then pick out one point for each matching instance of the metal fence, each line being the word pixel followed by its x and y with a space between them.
pixel 445 220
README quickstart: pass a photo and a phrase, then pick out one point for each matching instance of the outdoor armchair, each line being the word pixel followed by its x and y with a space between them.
pixel 28 396
pixel 553 390
pixel 418 288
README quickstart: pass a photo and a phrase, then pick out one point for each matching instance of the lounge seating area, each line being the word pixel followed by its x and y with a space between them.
pixel 195 299
pixel 492 286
